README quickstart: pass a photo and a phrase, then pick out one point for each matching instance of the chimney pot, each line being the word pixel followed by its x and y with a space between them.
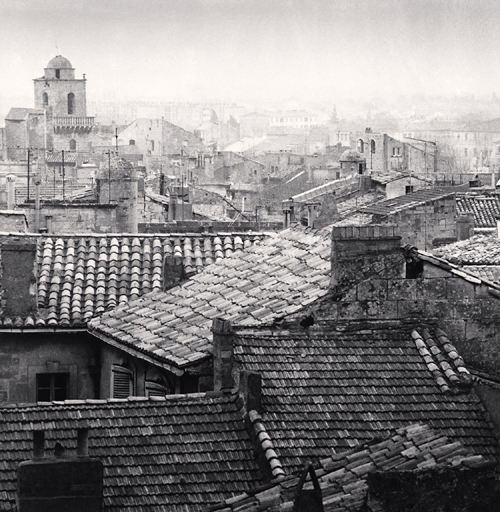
pixel 223 354
pixel 83 442
pixel 38 444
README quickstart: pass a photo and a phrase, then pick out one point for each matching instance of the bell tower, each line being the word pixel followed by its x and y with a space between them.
pixel 59 90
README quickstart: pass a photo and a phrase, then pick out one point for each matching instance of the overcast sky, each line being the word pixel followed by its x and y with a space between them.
pixel 250 50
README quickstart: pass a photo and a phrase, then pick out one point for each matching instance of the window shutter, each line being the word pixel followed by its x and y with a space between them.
pixel 122 382
pixel 155 389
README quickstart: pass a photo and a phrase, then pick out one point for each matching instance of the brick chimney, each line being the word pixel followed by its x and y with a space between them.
pixel 62 482
pixel 223 354
pixel 361 252
pixel 18 277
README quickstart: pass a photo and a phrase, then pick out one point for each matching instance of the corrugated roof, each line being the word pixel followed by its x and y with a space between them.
pixel 273 278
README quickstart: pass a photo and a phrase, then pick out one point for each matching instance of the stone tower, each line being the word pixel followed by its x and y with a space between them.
pixel 60 90
pixel 116 182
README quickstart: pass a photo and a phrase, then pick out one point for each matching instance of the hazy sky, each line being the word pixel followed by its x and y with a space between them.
pixel 252 49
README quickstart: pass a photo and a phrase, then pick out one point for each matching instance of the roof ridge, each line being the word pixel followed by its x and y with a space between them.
pixel 122 401
pixel 266 445
pixel 443 361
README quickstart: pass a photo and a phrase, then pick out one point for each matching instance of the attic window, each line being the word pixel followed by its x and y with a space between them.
pixel 52 387
pixel 156 389
pixel 414 268
pixel 122 380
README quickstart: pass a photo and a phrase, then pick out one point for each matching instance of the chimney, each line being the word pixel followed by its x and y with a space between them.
pixel 328 212
pixel 223 354
pixel 465 226
pixel 60 482
pixel 11 191
pixel 18 277
pixel 38 444
pixel 360 252
pixel 172 205
pixel 250 388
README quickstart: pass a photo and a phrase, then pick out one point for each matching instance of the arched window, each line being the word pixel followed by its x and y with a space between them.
pixel 72 144
pixel 372 146
pixel 45 99
pixel 361 146
pixel 58 73
pixel 71 103
pixel 152 145
pixel 131 142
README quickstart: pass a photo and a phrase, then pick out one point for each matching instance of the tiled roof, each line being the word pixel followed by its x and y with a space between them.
pixel 335 385
pixel 488 272
pixel 484 209
pixel 343 477
pixel 181 453
pixel 19 114
pixel 83 276
pixel 317 192
pixel 389 177
pixel 57 158
pixel 477 250
pixel 407 201
pixel 270 279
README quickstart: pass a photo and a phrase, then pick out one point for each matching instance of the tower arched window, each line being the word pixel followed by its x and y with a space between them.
pixel 72 144
pixel 361 146
pixel 71 103
pixel 372 146
pixel 45 99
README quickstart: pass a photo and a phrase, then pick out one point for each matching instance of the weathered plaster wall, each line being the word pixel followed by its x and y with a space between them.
pixel 24 355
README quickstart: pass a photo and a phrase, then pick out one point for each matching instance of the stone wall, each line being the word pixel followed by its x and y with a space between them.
pixel 426 225
pixel 57 92
pixel 24 355
pixel 73 218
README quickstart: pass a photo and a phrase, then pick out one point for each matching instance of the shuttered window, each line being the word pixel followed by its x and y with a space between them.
pixel 122 382
pixel 155 389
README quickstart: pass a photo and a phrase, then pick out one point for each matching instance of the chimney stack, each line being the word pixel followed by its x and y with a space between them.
pixel 360 252
pixel 223 354
pixel 11 191
pixel 18 277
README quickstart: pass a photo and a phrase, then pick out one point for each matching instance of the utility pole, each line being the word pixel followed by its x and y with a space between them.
pixel 116 137
pixel 28 191
pixel 63 173
pixel 109 176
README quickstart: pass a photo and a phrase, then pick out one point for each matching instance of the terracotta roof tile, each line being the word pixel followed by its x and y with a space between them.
pixel 329 388
pixel 221 289
pixel 182 452
pixel 88 275
pixel 343 477
pixel 483 208
pixel 477 250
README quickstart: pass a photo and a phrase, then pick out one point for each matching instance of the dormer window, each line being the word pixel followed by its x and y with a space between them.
pixel 58 73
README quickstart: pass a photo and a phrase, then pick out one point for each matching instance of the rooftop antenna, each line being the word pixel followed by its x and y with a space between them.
pixel 57 49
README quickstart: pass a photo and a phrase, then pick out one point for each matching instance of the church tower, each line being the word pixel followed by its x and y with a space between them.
pixel 60 89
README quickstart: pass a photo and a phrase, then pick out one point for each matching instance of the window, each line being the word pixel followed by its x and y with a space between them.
pixel 361 146
pixel 71 103
pixel 51 387
pixel 72 144
pixel 152 145
pixel 131 142
pixel 58 73
pixel 360 168
pixel 45 99
pixel 157 389
pixel 337 175
pixel 414 269
pixel 372 146
pixel 122 380
pixel 408 189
